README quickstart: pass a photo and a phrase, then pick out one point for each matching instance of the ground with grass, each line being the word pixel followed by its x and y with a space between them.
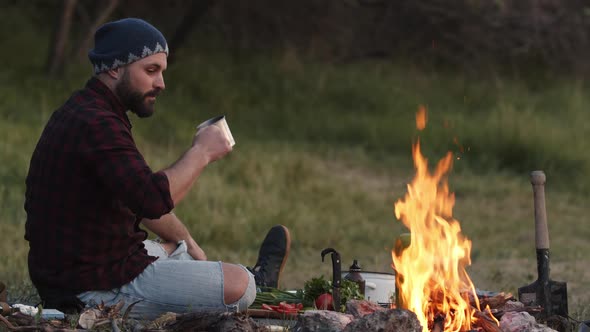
pixel 326 150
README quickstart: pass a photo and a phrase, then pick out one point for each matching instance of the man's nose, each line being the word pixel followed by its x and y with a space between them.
pixel 159 82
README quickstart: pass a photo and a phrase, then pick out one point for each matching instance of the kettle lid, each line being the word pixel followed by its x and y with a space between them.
pixel 355 266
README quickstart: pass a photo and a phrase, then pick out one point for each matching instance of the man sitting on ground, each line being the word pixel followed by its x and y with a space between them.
pixel 89 189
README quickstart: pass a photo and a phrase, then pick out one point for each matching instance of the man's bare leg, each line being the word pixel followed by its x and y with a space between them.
pixel 235 282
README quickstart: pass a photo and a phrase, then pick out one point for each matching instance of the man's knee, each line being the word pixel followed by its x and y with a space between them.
pixel 238 285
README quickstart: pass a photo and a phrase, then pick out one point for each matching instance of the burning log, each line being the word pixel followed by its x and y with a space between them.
pixel 486 322
pixel 438 324
pixel 495 301
pixel 533 310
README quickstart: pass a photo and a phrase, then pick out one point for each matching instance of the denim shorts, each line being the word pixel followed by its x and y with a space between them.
pixel 173 283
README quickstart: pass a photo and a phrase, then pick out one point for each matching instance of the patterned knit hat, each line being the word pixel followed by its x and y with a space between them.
pixel 122 42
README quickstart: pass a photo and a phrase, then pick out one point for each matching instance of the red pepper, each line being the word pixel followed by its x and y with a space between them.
pixel 267 307
pixel 284 307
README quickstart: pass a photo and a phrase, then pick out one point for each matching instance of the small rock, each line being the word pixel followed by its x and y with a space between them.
pixel 521 322
pixel 361 308
pixel 88 318
pixel 322 320
pixel 392 320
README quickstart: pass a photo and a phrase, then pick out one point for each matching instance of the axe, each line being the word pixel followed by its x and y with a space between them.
pixel 550 295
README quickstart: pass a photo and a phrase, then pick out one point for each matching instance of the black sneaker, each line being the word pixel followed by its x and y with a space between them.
pixel 272 257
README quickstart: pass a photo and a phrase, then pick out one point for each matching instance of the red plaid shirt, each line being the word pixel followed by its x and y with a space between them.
pixel 88 187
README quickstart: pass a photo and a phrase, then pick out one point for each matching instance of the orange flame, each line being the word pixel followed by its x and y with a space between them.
pixel 432 281
pixel 421 118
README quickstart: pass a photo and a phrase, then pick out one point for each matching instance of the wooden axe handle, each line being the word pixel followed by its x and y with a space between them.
pixel 541 232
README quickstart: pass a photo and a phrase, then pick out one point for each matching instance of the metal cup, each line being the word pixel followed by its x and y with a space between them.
pixel 220 122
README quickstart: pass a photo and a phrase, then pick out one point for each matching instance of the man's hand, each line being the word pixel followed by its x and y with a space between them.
pixel 212 143
pixel 170 229
pixel 195 251
pixel 209 144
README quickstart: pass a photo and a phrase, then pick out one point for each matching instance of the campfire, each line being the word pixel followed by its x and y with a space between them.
pixel 432 280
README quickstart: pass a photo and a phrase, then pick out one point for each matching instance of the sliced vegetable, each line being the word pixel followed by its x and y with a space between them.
pixel 284 307
pixel 267 307
pixel 275 296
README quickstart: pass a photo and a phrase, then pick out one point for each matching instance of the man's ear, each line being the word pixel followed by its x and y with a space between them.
pixel 114 73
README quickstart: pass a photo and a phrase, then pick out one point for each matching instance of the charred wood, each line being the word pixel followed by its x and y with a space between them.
pixel 486 322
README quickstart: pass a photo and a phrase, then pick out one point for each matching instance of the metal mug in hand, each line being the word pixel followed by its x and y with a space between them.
pixel 220 122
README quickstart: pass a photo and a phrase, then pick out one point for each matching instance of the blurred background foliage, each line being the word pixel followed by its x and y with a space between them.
pixel 472 47
pixel 469 34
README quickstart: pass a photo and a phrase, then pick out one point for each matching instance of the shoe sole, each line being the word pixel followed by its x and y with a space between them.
pixel 287 250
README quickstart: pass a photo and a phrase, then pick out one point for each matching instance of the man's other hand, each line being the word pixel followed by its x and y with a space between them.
pixel 192 249
pixel 195 250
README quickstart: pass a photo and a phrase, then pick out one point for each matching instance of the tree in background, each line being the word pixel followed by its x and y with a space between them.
pixel 61 36
pixel 465 33
pixel 188 11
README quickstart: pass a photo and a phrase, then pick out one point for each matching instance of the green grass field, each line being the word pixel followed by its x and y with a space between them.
pixel 326 150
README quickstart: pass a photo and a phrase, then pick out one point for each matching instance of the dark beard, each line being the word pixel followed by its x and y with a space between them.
pixel 134 100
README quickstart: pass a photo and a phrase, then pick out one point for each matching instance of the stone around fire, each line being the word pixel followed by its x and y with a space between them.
pixel 520 322
pixel 391 320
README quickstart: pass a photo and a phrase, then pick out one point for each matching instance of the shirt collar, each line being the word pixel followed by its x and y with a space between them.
pixel 105 92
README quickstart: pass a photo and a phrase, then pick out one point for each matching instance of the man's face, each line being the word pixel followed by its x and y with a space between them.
pixel 140 83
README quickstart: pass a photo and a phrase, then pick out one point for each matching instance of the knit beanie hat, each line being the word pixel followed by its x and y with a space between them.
pixel 122 42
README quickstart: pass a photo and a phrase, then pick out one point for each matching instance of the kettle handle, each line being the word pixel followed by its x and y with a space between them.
pixel 371 285
pixel 336 272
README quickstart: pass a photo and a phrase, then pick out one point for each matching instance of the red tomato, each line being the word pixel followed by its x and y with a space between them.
pixel 324 302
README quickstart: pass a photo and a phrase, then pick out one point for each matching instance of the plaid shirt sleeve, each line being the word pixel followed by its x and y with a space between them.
pixel 111 152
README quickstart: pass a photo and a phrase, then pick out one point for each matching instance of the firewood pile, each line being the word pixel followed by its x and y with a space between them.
pixel 511 315
pixel 360 315
pixel 514 316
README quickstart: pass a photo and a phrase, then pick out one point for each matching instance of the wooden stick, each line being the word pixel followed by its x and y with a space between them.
pixel 18 328
pixel 486 323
